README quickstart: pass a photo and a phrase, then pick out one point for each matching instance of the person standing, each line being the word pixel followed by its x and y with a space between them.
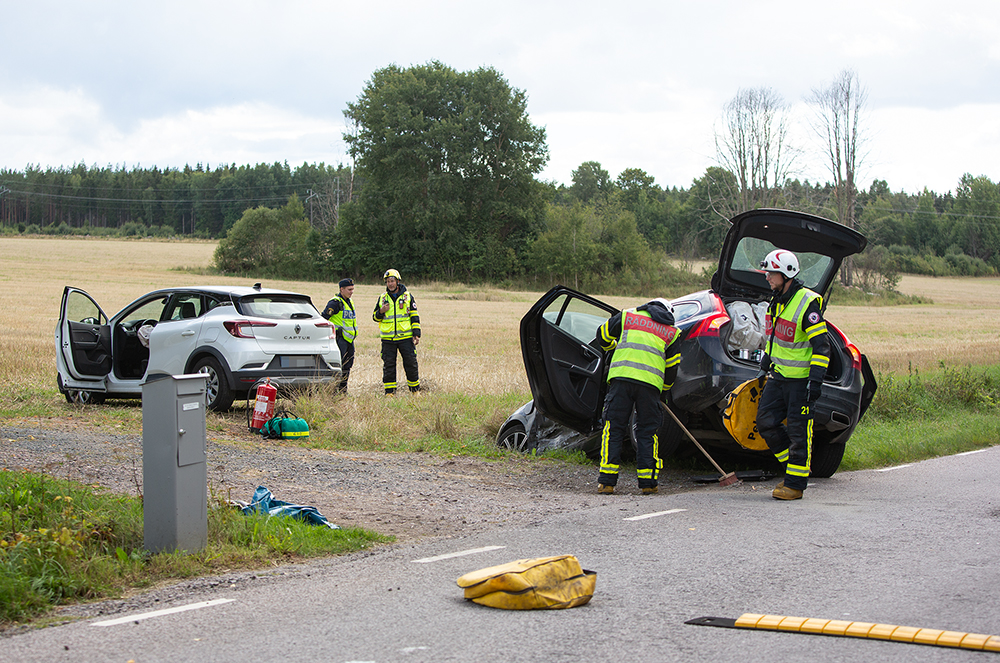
pixel 399 326
pixel 642 370
pixel 340 311
pixel 796 358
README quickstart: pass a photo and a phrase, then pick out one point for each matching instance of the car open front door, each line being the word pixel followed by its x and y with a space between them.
pixel 565 367
pixel 84 341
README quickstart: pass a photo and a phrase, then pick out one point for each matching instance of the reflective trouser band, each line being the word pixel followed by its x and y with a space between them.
pixel 647 473
pixel 606 466
pixel 389 385
pixel 782 456
pixel 414 383
pixel 797 470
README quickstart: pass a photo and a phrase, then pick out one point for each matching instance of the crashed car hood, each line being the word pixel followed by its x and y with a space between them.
pixel 820 245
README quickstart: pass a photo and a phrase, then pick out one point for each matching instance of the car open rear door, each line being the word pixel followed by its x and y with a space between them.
pixel 565 366
pixel 83 340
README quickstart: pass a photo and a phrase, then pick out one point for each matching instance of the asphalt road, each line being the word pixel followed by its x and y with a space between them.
pixel 913 546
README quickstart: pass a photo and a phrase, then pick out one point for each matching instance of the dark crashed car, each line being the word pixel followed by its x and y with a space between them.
pixel 721 344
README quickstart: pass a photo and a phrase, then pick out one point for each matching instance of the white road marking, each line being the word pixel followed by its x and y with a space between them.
pixel 461 553
pixel 654 515
pixel 160 613
pixel 898 467
pixel 969 453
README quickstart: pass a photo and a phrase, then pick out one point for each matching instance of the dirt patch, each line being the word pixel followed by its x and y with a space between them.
pixel 408 495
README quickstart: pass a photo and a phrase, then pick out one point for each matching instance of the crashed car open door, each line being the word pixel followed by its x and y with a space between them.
pixel 84 341
pixel 564 364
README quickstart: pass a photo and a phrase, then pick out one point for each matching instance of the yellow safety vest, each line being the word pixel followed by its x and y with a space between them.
pixel 640 352
pixel 346 320
pixel 789 346
pixel 397 323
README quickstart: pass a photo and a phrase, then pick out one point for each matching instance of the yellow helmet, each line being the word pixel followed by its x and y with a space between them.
pixel 393 273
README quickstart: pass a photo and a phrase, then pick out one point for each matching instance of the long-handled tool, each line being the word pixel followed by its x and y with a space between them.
pixel 726 479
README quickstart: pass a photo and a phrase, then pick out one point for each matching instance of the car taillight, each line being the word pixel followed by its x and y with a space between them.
pixel 709 326
pixel 853 349
pixel 333 330
pixel 244 328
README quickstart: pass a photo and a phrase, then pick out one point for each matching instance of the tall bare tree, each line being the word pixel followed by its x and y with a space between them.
pixel 839 109
pixel 752 144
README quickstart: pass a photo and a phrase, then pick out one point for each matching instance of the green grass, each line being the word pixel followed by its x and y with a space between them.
pixel 62 541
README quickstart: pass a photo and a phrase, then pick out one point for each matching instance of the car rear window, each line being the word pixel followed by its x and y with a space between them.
pixel 745 267
pixel 280 307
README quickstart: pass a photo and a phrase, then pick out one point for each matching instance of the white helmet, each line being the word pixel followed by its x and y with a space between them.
pixel 666 304
pixel 781 261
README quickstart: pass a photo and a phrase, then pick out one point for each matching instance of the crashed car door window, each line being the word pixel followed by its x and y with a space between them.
pixel 576 317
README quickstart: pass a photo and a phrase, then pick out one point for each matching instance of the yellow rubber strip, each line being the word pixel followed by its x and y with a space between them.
pixel 919 636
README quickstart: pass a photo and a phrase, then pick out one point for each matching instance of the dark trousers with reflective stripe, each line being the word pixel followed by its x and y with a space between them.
pixel 623 396
pixel 408 352
pixel 790 442
pixel 346 361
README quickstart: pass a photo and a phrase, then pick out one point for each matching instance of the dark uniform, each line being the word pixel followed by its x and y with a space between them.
pixel 340 311
pixel 642 370
pixel 798 354
pixel 397 327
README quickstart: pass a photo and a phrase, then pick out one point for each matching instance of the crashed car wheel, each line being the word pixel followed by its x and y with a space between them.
pixel 78 397
pixel 513 438
pixel 218 395
pixel 825 459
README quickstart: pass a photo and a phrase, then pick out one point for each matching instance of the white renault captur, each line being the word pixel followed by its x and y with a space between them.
pixel 236 335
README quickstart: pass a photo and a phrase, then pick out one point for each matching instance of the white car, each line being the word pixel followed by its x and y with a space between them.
pixel 236 335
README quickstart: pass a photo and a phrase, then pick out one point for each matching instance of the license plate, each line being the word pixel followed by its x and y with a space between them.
pixel 298 362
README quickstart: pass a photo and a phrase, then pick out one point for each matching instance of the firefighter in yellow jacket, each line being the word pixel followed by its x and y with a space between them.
pixel 642 370
pixel 399 325
pixel 796 359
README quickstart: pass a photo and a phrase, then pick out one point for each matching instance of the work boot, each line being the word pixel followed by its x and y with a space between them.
pixel 783 492
pixel 603 489
pixel 651 491
pixel 781 484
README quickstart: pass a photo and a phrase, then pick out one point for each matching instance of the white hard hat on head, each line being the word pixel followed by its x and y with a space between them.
pixel 781 261
pixel 666 304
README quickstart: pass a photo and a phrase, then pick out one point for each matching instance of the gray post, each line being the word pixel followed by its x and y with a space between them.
pixel 174 463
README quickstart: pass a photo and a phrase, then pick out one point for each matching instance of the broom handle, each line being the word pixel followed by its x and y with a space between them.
pixel 691 437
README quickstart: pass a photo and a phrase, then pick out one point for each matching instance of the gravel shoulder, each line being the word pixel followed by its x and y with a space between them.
pixel 408 495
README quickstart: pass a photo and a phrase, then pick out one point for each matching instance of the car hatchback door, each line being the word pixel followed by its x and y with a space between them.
pixel 565 366
pixel 83 341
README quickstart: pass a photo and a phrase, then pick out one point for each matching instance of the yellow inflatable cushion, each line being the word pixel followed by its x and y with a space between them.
pixel 740 415
pixel 527 584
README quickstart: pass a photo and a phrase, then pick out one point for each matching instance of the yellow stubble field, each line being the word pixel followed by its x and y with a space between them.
pixel 470 341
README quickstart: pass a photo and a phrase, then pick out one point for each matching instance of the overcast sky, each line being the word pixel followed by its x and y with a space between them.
pixel 627 84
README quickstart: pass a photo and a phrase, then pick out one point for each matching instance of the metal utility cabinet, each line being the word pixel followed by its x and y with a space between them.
pixel 174 463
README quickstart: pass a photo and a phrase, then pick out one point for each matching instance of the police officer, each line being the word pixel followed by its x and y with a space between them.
pixel 340 311
pixel 798 354
pixel 642 370
pixel 399 325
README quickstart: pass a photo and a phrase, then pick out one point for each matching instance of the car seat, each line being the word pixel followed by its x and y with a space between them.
pixel 188 310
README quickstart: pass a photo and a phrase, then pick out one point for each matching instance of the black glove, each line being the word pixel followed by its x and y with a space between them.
pixel 765 365
pixel 813 389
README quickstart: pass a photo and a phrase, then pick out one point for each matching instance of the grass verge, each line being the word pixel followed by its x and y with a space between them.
pixel 61 541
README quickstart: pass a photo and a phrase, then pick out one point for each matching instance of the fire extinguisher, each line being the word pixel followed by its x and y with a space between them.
pixel 263 408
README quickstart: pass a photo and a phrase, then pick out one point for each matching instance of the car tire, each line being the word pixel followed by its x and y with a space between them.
pixel 218 395
pixel 825 459
pixel 513 437
pixel 79 397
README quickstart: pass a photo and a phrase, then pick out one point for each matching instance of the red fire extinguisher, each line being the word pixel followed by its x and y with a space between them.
pixel 263 408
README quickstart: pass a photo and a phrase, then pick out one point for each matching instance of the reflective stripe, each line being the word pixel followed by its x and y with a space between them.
pixel 606 466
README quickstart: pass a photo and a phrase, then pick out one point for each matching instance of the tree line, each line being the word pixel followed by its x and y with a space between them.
pixel 445 186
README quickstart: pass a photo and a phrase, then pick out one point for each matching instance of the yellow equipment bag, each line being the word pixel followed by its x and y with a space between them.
pixel 541 583
pixel 740 415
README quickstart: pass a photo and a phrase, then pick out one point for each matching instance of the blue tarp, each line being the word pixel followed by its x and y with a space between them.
pixel 264 502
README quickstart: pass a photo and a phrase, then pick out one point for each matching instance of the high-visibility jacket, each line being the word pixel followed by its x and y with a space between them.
pixel 401 321
pixel 641 352
pixel 790 345
pixel 345 320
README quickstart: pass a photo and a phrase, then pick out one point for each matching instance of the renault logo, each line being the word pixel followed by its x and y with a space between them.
pixel 298 328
